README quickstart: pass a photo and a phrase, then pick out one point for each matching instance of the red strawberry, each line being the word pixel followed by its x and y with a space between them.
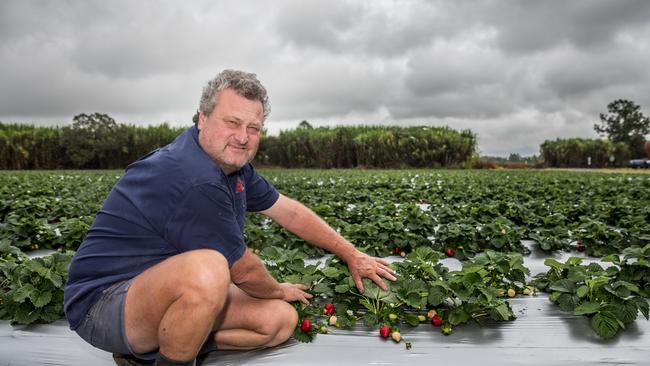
pixel 436 320
pixel 580 247
pixel 450 252
pixel 329 309
pixel 384 331
pixel 397 250
pixel 305 325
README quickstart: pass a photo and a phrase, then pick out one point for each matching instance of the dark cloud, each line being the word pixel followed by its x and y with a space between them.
pixel 515 72
pixel 536 26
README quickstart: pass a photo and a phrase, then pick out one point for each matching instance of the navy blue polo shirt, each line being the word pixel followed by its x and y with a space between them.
pixel 172 200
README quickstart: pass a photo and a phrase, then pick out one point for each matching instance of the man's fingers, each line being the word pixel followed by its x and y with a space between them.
pixel 386 268
pixel 358 282
pixel 388 275
pixel 382 261
pixel 376 279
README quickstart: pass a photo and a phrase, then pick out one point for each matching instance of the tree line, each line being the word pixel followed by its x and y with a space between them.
pixel 368 146
pixel 97 141
pixel 625 128
pixel 93 141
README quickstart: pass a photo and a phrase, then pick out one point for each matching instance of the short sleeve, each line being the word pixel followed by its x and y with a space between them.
pixel 205 218
pixel 260 194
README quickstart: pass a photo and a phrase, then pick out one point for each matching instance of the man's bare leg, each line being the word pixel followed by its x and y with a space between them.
pixel 247 322
pixel 172 305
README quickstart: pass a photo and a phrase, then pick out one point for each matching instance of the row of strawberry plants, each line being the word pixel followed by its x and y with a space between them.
pixel 31 290
pixel 379 211
pixel 425 292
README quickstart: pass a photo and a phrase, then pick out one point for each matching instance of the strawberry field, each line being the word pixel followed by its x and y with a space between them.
pixel 458 241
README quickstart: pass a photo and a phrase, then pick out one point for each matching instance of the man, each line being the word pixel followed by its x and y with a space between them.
pixel 164 272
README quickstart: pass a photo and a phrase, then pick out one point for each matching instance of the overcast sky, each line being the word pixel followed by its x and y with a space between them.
pixel 514 72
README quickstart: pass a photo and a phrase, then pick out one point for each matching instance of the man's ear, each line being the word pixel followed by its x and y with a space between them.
pixel 201 121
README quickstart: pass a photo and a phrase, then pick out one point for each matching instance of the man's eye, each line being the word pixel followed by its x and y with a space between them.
pixel 253 128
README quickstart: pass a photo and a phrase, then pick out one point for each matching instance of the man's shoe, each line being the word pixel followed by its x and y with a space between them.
pixel 129 360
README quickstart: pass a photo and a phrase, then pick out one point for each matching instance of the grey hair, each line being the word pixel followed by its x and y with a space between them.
pixel 244 83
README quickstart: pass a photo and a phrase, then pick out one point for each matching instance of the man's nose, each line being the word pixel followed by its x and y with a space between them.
pixel 241 135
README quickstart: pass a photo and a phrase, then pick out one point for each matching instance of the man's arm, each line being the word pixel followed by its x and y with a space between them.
pixel 300 220
pixel 250 275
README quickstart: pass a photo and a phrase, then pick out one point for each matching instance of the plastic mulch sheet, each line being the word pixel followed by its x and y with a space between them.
pixel 541 335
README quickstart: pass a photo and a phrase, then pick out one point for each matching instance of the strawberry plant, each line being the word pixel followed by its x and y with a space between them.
pixel 590 290
pixel 634 267
pixel 31 290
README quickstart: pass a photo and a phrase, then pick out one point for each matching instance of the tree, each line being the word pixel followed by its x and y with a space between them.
pixel 93 141
pixel 625 123
pixel 306 125
pixel 514 157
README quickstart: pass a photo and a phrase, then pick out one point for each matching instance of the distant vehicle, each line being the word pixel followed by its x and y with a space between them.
pixel 639 163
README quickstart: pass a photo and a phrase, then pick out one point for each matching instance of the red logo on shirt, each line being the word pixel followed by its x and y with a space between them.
pixel 240 186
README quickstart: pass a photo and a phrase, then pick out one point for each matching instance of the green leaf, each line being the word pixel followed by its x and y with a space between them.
pixel 605 325
pixel 375 292
pixel 573 261
pixel 630 287
pixel 331 272
pixel 626 311
pixel 56 279
pixel 564 285
pixel 321 287
pixel 613 258
pixel 567 302
pixel 24 292
pixel 458 316
pixel 582 291
pixel 471 280
pixel 553 263
pixel 342 288
pixel 501 312
pixel 303 337
pixel 587 308
pixel 412 319
pixel 370 319
pixel 25 315
pixel 642 305
pixel 42 299
pixel 436 295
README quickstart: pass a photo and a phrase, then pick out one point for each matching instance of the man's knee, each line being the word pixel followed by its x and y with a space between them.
pixel 204 277
pixel 283 322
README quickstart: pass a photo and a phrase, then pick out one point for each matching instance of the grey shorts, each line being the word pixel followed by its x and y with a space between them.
pixel 103 326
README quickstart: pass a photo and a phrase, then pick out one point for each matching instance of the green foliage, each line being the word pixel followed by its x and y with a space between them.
pixel 575 152
pixel 421 211
pixel 367 146
pixel 593 291
pixel 625 123
pixel 92 141
pixel 31 290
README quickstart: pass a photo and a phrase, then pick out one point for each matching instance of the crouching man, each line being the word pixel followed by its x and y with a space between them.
pixel 164 273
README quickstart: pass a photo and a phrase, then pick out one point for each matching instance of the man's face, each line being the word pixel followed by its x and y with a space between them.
pixel 230 135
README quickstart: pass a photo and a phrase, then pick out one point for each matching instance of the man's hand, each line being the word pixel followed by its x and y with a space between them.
pixel 295 292
pixel 362 265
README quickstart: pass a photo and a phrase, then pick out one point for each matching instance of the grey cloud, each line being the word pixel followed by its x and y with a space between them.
pixel 317 24
pixel 579 74
pixel 514 72
pixel 535 26
pixel 322 87
pixel 387 31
